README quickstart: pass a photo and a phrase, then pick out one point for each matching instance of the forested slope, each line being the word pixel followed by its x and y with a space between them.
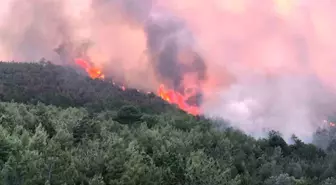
pixel 62 86
pixel 102 135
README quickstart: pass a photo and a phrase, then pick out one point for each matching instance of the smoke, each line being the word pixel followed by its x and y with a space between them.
pixel 31 28
pixel 174 56
pixel 291 104
pixel 261 64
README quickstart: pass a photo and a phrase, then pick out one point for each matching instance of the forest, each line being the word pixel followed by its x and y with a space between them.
pixel 59 127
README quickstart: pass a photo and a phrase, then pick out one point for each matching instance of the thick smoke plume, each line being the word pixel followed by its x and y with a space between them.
pixel 261 64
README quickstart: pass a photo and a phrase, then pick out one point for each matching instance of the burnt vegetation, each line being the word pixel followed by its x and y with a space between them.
pixel 60 127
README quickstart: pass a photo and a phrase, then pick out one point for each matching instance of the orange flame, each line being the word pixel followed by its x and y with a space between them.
pixel 178 99
pixel 168 95
pixel 92 71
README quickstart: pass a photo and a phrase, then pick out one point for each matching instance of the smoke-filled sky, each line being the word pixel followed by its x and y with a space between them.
pixel 268 64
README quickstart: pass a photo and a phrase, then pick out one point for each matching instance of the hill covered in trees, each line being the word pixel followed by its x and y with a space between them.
pixel 59 127
pixel 65 87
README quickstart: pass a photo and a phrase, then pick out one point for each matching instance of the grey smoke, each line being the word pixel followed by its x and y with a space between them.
pixel 165 39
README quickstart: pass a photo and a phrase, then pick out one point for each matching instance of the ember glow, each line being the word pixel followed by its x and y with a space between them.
pixel 329 123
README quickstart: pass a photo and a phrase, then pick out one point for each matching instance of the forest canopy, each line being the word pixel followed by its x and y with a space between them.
pixel 58 126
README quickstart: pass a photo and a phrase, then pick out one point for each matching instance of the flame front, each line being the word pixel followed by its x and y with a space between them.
pixel 93 72
pixel 167 95
pixel 178 99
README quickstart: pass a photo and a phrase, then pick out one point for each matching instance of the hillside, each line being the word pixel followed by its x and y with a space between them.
pixel 60 127
pixel 64 87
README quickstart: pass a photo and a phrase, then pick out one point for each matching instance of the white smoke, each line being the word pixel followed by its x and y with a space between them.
pixel 291 104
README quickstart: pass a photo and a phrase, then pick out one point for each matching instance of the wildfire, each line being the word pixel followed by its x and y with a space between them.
pixel 168 95
pixel 178 99
pixel 332 124
pixel 93 72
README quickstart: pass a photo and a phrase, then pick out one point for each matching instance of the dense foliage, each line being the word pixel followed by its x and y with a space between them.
pixel 61 86
pixel 132 139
